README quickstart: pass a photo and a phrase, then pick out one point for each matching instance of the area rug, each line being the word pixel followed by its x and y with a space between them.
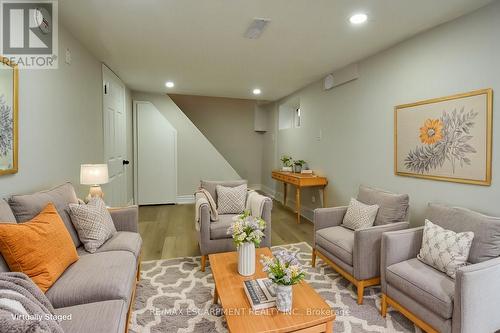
pixel 175 296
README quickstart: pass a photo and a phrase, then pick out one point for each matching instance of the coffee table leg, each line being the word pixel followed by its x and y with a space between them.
pixel 216 295
pixel 329 327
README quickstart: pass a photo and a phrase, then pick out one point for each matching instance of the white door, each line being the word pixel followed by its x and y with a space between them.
pixel 115 143
pixel 155 156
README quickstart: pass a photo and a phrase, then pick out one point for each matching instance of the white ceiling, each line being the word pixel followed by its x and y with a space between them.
pixel 199 44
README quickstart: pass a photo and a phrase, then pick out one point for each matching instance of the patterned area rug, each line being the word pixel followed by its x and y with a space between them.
pixel 175 296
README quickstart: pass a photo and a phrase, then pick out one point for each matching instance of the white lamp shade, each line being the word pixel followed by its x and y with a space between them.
pixel 94 174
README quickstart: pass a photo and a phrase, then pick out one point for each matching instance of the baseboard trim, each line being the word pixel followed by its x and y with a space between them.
pixel 185 199
pixel 268 191
pixel 255 187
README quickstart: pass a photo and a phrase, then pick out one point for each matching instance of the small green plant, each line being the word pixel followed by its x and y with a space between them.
pixel 287 160
pixel 299 162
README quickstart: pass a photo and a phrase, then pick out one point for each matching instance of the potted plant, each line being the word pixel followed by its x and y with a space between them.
pixel 287 163
pixel 247 233
pixel 297 165
pixel 285 271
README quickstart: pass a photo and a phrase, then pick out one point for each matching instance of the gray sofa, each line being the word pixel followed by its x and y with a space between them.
pixel 356 254
pixel 99 288
pixel 212 236
pixel 431 299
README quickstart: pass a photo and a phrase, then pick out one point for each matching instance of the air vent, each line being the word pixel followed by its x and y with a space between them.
pixel 256 28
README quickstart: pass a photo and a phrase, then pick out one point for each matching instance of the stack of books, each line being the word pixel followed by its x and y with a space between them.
pixel 260 293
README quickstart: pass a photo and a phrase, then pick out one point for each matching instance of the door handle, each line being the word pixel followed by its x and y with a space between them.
pixel 126 162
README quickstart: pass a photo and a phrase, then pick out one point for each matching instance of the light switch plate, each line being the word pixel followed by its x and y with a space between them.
pixel 319 137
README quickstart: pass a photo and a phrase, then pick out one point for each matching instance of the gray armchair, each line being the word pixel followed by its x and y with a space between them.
pixel 431 299
pixel 356 254
pixel 212 236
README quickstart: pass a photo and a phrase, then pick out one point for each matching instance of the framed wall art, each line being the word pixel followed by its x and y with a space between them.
pixel 448 138
pixel 8 117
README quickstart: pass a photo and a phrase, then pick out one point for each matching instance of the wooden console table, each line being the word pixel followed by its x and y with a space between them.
pixel 300 180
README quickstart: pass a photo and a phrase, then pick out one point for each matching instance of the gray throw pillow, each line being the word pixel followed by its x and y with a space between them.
pixel 231 200
pixel 93 223
pixel 445 250
pixel 359 215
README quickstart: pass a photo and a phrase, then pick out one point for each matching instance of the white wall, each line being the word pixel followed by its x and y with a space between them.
pixel 357 118
pixel 197 158
pixel 228 123
pixel 60 122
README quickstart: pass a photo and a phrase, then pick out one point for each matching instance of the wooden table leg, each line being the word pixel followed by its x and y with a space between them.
pixel 216 295
pixel 284 193
pixel 329 327
pixel 325 204
pixel 297 199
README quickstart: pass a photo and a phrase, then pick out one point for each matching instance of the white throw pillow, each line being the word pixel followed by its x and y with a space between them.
pixel 445 250
pixel 231 200
pixel 93 223
pixel 359 215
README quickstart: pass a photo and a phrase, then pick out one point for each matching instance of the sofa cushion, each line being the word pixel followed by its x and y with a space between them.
pixel 40 248
pixel 93 223
pixel 359 215
pixel 426 285
pixel 27 206
pixel 443 249
pixel 100 317
pixel 123 241
pixel 6 216
pixel 486 229
pixel 393 207
pixel 94 278
pixel 339 241
pixel 218 229
pixel 231 200
pixel 210 185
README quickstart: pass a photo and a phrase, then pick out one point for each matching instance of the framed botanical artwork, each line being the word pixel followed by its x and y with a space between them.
pixel 8 117
pixel 446 138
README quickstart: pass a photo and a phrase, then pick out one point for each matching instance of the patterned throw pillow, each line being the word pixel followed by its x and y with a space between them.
pixel 231 200
pixel 445 250
pixel 93 223
pixel 359 215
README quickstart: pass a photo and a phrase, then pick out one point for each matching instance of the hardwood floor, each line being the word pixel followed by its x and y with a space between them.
pixel 168 230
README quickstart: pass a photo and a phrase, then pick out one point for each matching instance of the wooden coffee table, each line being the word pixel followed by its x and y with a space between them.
pixel 310 312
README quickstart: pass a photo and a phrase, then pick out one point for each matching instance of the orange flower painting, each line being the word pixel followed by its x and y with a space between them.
pixel 444 139
pixel 432 131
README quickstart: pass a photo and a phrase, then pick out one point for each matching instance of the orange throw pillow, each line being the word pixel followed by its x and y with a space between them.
pixel 41 248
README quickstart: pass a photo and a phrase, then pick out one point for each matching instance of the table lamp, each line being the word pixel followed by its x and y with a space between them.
pixel 94 175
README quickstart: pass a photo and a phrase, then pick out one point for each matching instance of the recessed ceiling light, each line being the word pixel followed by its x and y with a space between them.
pixel 169 84
pixel 358 18
pixel 256 91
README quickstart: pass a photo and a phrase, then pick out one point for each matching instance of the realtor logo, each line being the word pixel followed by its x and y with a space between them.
pixel 29 33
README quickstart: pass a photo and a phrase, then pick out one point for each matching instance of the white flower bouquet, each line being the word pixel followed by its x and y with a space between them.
pixel 247 229
pixel 284 269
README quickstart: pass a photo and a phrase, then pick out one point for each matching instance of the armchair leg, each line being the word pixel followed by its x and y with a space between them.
pixel 313 260
pixel 203 262
pixel 383 306
pixel 360 284
pixel 361 291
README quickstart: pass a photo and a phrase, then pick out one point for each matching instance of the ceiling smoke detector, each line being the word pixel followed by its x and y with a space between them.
pixel 256 28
